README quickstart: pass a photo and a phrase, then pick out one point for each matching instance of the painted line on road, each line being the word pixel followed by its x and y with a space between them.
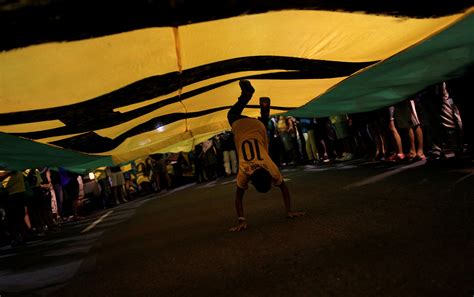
pixel 229 182
pixel 88 228
pixel 464 178
pixel 384 175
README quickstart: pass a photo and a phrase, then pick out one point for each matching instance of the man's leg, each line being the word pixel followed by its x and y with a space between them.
pixel 397 141
pixel 309 152
pixel 411 138
pixel 419 141
pixel 312 142
pixel 235 111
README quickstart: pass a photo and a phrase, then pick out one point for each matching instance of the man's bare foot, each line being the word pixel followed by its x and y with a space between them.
pixel 246 87
pixel 294 214
pixel 240 227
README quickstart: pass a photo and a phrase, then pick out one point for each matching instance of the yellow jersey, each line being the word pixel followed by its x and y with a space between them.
pixel 251 142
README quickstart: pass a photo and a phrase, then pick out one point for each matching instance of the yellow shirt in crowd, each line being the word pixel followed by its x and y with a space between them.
pixel 251 142
pixel 14 183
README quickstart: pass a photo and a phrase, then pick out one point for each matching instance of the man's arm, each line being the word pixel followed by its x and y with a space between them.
pixel 287 200
pixel 239 196
pixel 235 111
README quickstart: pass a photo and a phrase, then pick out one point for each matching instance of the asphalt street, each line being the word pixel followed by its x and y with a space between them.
pixel 371 229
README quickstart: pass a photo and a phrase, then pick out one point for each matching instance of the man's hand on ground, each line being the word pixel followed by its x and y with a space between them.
pixel 240 227
pixel 294 214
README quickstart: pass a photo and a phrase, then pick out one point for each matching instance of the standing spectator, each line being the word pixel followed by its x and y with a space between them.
pixel 103 181
pixel 14 185
pixel 460 90
pixel 275 145
pixel 33 201
pixel 180 166
pixel 443 121
pixel 407 118
pixel 341 128
pixel 155 175
pixel 365 141
pixel 388 115
pixel 58 190
pixel 321 130
pixel 217 143
pixel 288 154
pixel 143 180
pixel 230 158
pixel 210 160
pixel 198 159
pixel 377 131
pixel 165 180
pixel 308 127
pixel 46 195
pixel 294 130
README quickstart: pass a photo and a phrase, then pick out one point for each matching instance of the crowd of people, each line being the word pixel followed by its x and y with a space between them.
pixel 431 125
pixel 34 202
pixel 427 126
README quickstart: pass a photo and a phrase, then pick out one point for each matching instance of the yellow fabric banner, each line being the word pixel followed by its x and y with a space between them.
pixel 164 89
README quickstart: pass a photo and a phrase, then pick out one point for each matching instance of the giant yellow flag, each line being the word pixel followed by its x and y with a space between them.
pixel 160 89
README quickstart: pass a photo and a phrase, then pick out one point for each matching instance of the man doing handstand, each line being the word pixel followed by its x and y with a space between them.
pixel 255 164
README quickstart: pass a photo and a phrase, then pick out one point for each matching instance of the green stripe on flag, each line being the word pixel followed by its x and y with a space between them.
pixel 444 56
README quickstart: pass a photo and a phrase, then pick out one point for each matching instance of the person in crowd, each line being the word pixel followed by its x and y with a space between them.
pixel 58 190
pixel 377 132
pixel 255 165
pixel 460 90
pixel 103 180
pixel 443 121
pixel 143 177
pixel 407 118
pixel 323 139
pixel 217 143
pixel 308 126
pixel 33 201
pixel 40 202
pixel 47 198
pixel 14 184
pixel 79 198
pixel 230 157
pixel 388 120
pixel 155 175
pixel 198 159
pixel 210 159
pixel 297 138
pixel 165 179
pixel 330 137
pixel 70 184
pixel 287 132
pixel 275 146
pixel 131 186
pixel 365 148
pixel 341 127
pixel 180 167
